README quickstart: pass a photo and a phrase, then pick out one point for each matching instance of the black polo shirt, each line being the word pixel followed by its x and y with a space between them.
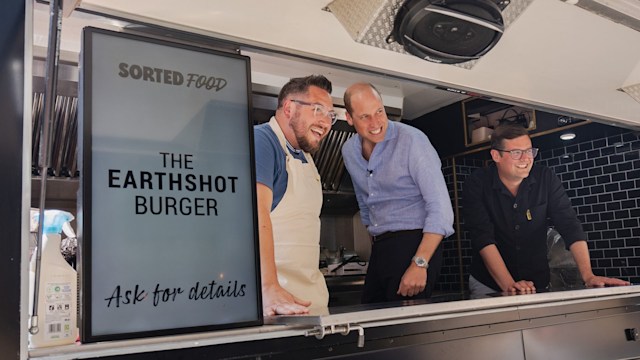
pixel 517 226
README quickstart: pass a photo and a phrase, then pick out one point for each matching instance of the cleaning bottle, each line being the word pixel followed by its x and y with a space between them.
pixel 57 301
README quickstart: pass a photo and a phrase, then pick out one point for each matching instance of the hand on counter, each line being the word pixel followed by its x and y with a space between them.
pixel 600 281
pixel 413 281
pixel 278 301
pixel 521 287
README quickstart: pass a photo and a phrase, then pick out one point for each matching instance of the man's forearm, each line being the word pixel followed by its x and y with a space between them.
pixel 496 267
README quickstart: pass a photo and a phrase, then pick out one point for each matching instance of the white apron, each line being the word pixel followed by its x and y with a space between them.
pixel 296 230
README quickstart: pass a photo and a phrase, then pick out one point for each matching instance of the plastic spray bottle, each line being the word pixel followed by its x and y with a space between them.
pixel 57 300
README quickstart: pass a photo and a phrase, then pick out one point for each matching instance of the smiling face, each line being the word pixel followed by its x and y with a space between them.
pixel 307 126
pixel 367 116
pixel 513 171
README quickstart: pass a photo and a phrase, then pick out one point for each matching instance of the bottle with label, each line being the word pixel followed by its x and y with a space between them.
pixel 57 300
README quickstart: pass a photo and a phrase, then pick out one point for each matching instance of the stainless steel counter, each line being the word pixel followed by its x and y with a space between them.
pixel 517 325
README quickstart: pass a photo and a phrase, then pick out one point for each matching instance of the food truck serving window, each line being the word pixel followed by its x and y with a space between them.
pixel 167 203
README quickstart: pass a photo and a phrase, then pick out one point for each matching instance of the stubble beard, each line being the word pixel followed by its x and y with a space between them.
pixel 301 133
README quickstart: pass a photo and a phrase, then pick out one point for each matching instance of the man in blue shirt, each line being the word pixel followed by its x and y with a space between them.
pixel 289 196
pixel 403 199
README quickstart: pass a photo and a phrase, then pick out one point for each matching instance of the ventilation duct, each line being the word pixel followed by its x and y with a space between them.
pixel 444 31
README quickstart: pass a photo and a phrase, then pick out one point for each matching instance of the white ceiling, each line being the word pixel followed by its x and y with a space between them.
pixel 555 56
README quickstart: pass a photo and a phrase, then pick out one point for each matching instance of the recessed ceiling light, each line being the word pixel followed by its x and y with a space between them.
pixel 568 136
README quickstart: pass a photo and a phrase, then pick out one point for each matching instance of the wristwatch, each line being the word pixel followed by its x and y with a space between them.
pixel 420 262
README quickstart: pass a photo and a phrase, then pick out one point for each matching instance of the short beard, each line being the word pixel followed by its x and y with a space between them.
pixel 299 132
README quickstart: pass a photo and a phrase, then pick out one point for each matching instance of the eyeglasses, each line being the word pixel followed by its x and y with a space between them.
pixel 516 154
pixel 319 110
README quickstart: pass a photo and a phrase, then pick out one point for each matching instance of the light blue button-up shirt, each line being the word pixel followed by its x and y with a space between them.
pixel 401 187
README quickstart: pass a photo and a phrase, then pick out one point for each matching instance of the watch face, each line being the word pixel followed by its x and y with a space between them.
pixel 420 261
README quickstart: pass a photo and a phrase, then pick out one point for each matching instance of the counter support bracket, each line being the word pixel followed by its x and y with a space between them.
pixel 321 330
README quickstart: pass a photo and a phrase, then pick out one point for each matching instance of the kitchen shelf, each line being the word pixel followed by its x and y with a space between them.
pixel 481 116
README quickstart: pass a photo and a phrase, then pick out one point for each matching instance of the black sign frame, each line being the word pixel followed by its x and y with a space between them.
pixel 85 198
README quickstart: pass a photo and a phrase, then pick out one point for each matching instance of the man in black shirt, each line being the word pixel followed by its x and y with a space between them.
pixel 506 207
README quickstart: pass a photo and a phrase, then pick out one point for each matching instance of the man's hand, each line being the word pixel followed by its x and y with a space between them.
pixel 413 281
pixel 278 301
pixel 521 287
pixel 600 281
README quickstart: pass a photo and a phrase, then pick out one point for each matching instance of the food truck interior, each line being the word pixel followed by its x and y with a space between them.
pixel 565 71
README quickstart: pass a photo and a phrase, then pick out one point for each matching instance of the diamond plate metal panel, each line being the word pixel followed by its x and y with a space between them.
pixel 370 22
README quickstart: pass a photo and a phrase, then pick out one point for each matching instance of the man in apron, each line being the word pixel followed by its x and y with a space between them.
pixel 289 195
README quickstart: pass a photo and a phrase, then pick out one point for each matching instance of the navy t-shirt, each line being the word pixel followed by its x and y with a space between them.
pixel 270 161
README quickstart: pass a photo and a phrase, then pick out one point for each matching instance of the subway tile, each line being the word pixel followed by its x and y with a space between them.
pixel 553 162
pixel 586 146
pixel 635 174
pixel 573 184
pixel 627 271
pixel 623 148
pixel 598 189
pixel 635 145
pixel 583 192
pixel 569 176
pixel 619 262
pixel 613 253
pixel 613 206
pixel 612 272
pixel 613 159
pixel 616 243
pixel 579 156
pixel 606 216
pixel 621 214
pixel 599 254
pixel 614 140
pixel 607 151
pixel 632 242
pixel 572 166
pixel 560 169
pixel 587 227
pixel 620 195
pixel 576 201
pixel 636 164
pixel 625 253
pixel 597 235
pixel 589 181
pixel 634 261
pixel 633 193
pixel 603 179
pixel 585 210
pixel 593 154
pixel 634 213
pixel 598 207
pixel 582 174
pixel 590 199
pixel 594 172
pixel 587 164
pixel 570 192
pixel 599 143
pixel 625 167
pixel 615 225
pixel 601 161
pixel 600 226
pixel 618 177
pixel 611 187
pixel 604 263
pixel 628 204
pixel 591 218
pixel 630 223
pixel 572 149
pixel 604 198
pixel 609 169
pixel 623 233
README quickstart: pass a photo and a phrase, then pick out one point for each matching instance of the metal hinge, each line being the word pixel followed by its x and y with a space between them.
pixel 320 331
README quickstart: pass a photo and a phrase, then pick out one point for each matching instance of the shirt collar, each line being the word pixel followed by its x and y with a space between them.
pixel 498 185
